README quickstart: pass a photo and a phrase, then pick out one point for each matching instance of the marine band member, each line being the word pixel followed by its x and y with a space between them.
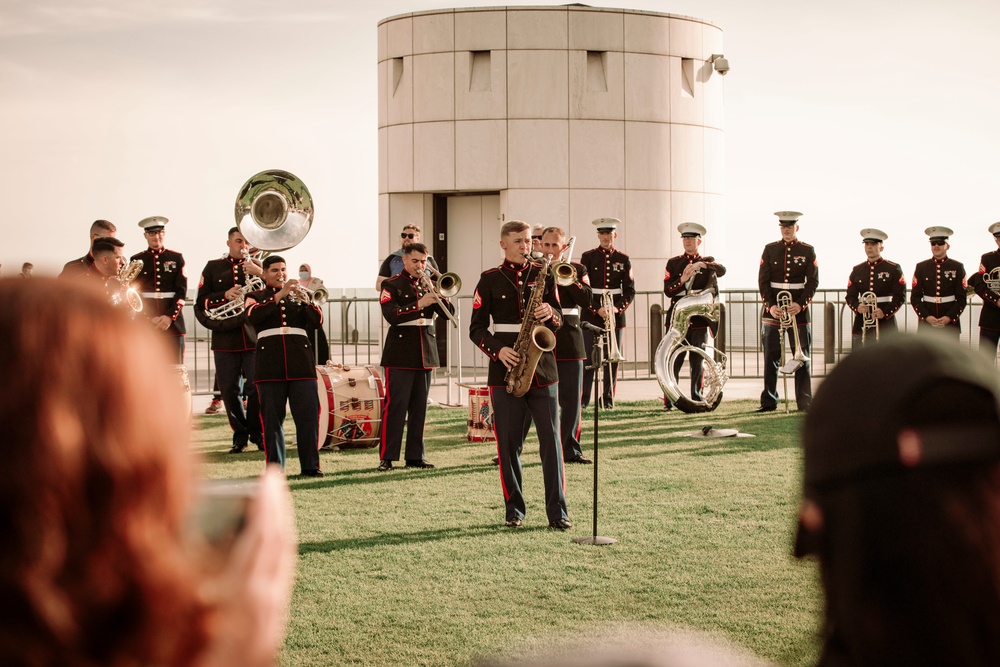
pixel 409 356
pixel 79 267
pixel 690 273
pixel 284 366
pixel 570 352
pixel 938 291
pixel 786 265
pixel 233 341
pixel 610 271
pixel 880 276
pixel 162 284
pixel 986 283
pixel 497 311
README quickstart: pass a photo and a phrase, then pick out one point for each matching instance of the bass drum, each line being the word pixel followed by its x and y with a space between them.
pixel 350 406
pixel 480 422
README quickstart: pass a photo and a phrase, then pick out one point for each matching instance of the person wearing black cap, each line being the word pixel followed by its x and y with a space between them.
pixel 938 291
pixel 787 266
pixel 494 327
pixel 610 272
pixel 570 351
pixel 233 344
pixel 79 267
pixel 409 356
pixel 901 505
pixel 882 278
pixel 162 284
pixel 285 366
pixel 986 283
pixel 690 273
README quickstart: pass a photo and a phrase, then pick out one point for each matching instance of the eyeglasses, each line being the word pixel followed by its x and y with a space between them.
pixel 404 235
pixel 938 242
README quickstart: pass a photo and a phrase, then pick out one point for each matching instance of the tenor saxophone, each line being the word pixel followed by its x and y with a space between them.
pixel 533 338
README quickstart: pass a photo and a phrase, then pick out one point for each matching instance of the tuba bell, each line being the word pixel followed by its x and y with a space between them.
pixel 274 210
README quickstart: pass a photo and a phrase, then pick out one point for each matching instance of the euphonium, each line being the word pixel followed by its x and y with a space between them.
pixel 532 339
pixel 703 304
pixel 869 320
pixel 787 321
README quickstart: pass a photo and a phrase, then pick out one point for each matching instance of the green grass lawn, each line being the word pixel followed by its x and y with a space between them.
pixel 414 567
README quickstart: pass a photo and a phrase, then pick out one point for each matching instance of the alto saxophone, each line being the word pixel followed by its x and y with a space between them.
pixel 532 339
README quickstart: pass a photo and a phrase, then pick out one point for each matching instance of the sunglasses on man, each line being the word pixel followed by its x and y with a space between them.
pixel 536 238
pixel 938 242
pixel 404 235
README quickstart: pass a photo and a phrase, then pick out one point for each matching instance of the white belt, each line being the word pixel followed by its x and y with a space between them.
pixel 506 328
pixel 938 299
pixel 604 290
pixel 788 285
pixel 422 322
pixel 570 311
pixel 157 295
pixel 282 331
pixel 883 299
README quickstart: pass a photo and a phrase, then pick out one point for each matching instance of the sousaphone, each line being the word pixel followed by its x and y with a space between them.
pixel 274 210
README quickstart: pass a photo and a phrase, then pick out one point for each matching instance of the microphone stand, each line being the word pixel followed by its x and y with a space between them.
pixel 599 362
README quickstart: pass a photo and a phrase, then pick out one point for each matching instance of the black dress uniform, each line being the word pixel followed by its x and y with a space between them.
pixel 570 357
pixel 609 271
pixel 938 290
pixel 500 298
pixel 790 267
pixel 987 285
pixel 285 371
pixel 78 267
pixel 698 327
pixel 163 288
pixel 886 280
pixel 233 346
pixel 408 356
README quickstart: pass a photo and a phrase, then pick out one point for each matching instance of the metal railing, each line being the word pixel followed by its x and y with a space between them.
pixel 355 330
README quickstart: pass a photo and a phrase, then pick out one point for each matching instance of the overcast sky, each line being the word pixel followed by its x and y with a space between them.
pixel 857 113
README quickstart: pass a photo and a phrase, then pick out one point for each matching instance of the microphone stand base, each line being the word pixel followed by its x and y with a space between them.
pixel 595 540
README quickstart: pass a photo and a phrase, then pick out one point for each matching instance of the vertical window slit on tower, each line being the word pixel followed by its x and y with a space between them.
pixel 597 79
pixel 480 72
pixel 687 77
pixel 397 73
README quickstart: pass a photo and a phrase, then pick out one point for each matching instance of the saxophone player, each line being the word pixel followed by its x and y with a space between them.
pixel 986 282
pixel 687 273
pixel 499 300
pixel 882 278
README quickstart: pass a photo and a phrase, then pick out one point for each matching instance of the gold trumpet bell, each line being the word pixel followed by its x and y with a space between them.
pixel 274 210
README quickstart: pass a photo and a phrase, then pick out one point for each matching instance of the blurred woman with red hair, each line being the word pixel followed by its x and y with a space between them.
pixel 98 482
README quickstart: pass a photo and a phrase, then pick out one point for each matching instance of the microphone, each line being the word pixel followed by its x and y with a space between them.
pixel 592 328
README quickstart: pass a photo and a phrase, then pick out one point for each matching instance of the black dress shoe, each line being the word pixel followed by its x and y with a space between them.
pixel 311 473
pixel 667 407
pixel 419 463
pixel 384 464
pixel 560 524
pixel 579 459
pixel 496 460
pixel 238 448
pixel 514 523
pixel 766 409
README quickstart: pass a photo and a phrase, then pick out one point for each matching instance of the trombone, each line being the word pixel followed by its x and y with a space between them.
pixel 787 321
pixel 869 320
pixel 563 271
pixel 444 286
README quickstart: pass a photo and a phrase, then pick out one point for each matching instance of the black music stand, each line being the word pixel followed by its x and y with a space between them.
pixel 598 365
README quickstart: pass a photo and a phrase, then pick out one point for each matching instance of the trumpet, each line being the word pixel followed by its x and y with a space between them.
pixel 869 320
pixel 445 285
pixel 787 321
pixel 302 295
pixel 563 272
